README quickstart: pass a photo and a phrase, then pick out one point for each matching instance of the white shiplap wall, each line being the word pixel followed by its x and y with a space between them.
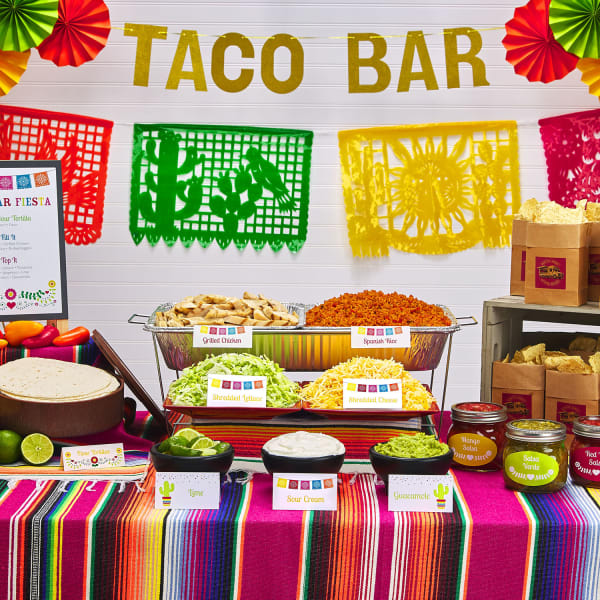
pixel 113 278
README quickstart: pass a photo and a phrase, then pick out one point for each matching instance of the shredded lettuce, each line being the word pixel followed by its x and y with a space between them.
pixel 191 389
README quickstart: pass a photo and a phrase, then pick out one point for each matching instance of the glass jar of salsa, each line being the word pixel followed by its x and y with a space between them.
pixel 584 462
pixel 477 435
pixel 535 457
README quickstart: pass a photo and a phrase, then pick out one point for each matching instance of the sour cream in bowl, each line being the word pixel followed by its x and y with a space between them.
pixel 303 452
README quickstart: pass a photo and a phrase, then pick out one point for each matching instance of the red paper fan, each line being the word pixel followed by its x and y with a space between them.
pixel 531 47
pixel 81 31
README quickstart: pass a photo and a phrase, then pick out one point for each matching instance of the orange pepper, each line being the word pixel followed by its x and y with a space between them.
pixel 16 331
pixel 3 343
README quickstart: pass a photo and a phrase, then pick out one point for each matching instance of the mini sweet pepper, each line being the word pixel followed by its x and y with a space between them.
pixel 74 337
pixel 16 331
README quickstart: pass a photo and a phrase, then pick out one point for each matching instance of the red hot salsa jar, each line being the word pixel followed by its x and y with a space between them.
pixel 584 460
pixel 477 435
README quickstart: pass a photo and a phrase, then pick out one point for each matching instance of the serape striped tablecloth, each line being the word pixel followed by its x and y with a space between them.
pixel 106 541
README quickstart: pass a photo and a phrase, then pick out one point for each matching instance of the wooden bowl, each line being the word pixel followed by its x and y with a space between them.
pixel 59 419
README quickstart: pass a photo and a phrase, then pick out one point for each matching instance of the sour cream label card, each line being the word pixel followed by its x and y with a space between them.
pixel 372 394
pixel 187 490
pixel 222 336
pixel 304 491
pixel 380 337
pixel 237 390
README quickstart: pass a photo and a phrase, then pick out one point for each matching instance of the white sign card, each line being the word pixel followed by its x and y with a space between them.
pixel 304 491
pixel 374 394
pixel 187 490
pixel 237 390
pixel 393 336
pixel 33 282
pixel 105 456
pixel 420 493
pixel 222 336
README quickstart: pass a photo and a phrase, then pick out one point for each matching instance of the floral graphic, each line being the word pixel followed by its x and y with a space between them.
pixel 10 294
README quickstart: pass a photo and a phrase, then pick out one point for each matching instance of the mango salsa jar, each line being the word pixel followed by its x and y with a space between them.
pixel 535 456
pixel 584 461
pixel 477 435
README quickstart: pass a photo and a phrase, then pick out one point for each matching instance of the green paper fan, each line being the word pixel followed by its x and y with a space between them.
pixel 576 26
pixel 25 24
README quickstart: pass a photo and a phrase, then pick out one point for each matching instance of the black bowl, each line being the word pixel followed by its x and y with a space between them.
pixel 385 465
pixel 197 464
pixel 275 463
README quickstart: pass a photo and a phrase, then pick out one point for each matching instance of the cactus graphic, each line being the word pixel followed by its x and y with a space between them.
pixel 229 205
pixel 440 494
pixel 158 204
pixel 165 491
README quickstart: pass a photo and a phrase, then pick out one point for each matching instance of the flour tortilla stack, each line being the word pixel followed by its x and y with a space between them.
pixel 49 380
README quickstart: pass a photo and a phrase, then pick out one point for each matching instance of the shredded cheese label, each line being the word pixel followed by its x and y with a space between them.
pixel 376 394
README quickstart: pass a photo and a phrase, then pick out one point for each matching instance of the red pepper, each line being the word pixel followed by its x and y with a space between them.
pixel 49 333
pixel 74 337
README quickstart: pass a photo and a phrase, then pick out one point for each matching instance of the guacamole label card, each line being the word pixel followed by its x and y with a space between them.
pixel 420 493
pixel 304 491
pixel 187 490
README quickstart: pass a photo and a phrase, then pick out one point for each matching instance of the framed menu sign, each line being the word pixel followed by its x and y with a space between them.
pixel 32 242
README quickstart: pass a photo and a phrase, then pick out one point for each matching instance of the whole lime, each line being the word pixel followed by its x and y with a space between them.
pixel 10 446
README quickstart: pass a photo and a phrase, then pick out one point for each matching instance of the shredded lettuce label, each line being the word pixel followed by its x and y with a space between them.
pixel 191 389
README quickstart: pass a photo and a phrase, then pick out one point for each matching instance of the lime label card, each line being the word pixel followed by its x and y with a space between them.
pixel 222 336
pixel 237 390
pixel 187 490
pixel 372 394
pixel 105 456
pixel 304 491
pixel 379 337
pixel 420 493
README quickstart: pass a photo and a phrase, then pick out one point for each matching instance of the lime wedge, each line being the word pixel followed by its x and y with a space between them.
pixel 179 441
pixel 221 447
pixel 188 434
pixel 202 443
pixel 37 448
pixel 177 450
pixel 209 452
pixel 165 446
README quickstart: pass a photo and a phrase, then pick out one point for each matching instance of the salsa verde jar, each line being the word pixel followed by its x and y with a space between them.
pixel 584 462
pixel 535 457
pixel 477 435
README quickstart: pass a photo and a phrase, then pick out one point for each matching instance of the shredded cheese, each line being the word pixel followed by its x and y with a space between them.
pixel 327 390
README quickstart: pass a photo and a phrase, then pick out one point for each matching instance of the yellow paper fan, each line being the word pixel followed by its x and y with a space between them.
pixel 12 66
pixel 590 74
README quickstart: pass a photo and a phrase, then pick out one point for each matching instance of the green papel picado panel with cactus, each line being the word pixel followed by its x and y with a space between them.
pixel 226 184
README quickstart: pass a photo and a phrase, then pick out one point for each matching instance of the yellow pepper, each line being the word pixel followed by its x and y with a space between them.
pixel 3 343
pixel 16 331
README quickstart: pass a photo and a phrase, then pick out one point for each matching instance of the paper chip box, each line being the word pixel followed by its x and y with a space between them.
pixel 571 395
pixel 517 260
pixel 520 388
pixel 556 268
pixel 594 263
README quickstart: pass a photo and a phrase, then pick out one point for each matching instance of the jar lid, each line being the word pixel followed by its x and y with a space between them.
pixel 536 430
pixel 478 412
pixel 587 426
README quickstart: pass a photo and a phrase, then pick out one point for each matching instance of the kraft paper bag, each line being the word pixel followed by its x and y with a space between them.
pixel 517 260
pixel 520 388
pixel 556 267
pixel 594 263
pixel 571 395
